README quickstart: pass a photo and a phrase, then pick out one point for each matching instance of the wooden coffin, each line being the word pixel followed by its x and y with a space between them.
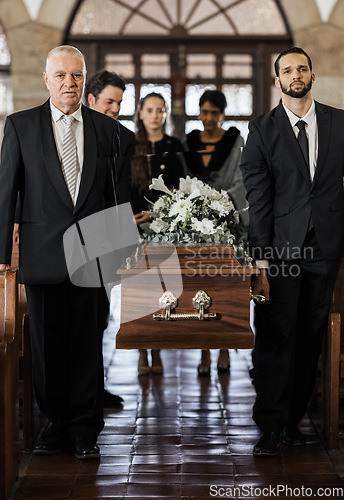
pixel 185 270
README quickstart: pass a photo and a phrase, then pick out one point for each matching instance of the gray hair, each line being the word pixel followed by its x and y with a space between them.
pixel 67 50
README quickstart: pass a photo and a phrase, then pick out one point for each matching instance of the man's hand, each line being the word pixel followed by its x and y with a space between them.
pixel 261 286
pixel 16 234
pixel 142 217
pixel 4 267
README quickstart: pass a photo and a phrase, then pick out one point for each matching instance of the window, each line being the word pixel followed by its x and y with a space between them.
pixel 237 66
pixel 168 17
pixel 192 96
pixel 6 100
pixel 155 66
pixel 181 48
pixel 120 63
pixel 201 66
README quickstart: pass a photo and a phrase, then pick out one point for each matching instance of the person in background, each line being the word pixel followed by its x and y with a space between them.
pixel 104 93
pixel 155 153
pixel 59 157
pixel 293 168
pixel 213 155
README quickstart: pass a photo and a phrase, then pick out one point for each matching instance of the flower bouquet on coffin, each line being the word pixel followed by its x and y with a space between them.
pixel 193 213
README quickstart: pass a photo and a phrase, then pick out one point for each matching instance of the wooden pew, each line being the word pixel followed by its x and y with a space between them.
pixel 9 376
pixel 25 364
pixel 331 361
pixel 333 364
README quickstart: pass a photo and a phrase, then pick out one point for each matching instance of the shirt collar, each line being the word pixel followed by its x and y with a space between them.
pixel 308 118
pixel 57 114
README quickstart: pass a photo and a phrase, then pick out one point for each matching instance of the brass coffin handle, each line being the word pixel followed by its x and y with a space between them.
pixel 169 301
pixel 258 299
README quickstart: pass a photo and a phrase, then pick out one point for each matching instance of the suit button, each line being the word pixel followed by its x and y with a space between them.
pixel 311 196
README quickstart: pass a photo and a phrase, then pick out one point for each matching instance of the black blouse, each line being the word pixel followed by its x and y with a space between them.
pixel 165 161
pixel 221 152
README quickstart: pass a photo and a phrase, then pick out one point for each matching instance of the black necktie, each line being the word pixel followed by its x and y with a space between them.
pixel 302 140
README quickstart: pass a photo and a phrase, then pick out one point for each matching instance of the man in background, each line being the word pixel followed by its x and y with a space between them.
pixel 104 93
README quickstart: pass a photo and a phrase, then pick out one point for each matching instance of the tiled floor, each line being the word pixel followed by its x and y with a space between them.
pixel 180 436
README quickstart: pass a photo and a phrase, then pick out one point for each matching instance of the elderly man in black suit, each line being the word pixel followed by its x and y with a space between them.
pixel 104 93
pixel 293 168
pixel 60 158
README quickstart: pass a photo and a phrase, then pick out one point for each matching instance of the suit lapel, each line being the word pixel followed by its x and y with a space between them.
pixel 51 157
pixel 324 134
pixel 90 158
pixel 282 123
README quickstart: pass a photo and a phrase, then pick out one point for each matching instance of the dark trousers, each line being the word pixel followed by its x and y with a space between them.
pixel 65 322
pixel 289 332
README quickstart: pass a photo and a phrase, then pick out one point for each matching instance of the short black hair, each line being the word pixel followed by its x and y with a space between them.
pixel 292 50
pixel 97 83
pixel 215 97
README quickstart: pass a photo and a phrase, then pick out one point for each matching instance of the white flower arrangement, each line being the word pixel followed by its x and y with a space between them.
pixel 194 213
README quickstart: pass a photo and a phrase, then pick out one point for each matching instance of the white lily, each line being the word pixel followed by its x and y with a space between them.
pixel 185 184
pixel 194 194
pixel 159 185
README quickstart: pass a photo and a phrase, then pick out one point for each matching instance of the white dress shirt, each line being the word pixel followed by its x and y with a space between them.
pixel 311 128
pixel 59 131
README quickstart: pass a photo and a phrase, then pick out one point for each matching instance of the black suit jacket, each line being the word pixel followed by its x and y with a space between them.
pixel 126 148
pixel 30 165
pixel 282 197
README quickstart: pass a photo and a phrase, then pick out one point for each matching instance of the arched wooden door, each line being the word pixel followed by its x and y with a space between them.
pixel 181 47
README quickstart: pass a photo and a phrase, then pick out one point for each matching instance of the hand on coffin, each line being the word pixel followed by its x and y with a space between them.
pixel 3 267
pixel 142 217
pixel 261 287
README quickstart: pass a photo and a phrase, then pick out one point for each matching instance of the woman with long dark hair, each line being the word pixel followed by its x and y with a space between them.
pixel 214 157
pixel 155 153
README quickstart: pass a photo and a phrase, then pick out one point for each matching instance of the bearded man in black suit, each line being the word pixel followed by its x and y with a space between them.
pixel 60 158
pixel 293 168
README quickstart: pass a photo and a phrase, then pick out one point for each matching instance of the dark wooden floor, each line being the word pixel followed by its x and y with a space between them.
pixel 181 436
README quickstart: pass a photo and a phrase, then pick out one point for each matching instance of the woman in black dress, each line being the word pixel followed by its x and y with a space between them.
pixel 155 153
pixel 213 155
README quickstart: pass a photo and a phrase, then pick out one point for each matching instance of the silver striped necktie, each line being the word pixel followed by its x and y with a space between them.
pixel 69 155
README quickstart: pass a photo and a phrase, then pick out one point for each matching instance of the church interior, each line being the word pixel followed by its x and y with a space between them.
pixel 177 435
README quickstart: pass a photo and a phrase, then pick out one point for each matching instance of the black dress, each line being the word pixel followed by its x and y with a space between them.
pixel 223 170
pixel 165 160
pixel 219 155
